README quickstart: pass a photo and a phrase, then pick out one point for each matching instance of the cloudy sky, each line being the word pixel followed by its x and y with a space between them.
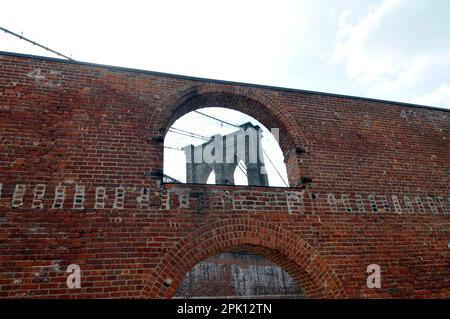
pixel 388 49
pixel 392 49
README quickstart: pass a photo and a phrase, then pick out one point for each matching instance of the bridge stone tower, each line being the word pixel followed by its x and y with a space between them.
pixel 222 155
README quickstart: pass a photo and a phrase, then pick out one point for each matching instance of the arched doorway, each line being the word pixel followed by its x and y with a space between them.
pixel 283 248
pixel 239 273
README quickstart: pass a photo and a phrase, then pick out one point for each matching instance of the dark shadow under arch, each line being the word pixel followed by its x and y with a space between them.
pixel 282 247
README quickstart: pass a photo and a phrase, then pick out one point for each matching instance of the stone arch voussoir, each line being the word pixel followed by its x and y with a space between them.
pixel 286 249
pixel 255 102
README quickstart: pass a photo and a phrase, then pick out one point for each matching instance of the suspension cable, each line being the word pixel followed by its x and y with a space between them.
pixel 275 168
pixel 234 125
pixel 21 37
pixel 215 118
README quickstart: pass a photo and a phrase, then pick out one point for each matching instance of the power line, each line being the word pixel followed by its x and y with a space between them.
pixel 21 37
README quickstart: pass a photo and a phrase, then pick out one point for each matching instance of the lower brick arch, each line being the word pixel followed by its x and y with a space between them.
pixel 279 245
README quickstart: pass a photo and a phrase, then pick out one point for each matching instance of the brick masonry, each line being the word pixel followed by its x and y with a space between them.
pixel 81 157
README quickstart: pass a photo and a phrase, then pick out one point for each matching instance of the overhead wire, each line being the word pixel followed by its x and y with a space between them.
pixel 21 37
pixel 191 134
pixel 215 118
pixel 173 148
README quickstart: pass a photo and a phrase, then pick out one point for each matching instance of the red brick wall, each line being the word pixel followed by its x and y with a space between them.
pixel 379 193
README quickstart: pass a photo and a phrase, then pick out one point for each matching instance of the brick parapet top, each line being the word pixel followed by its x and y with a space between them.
pixel 225 82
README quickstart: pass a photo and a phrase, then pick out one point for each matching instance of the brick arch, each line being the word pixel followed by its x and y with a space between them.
pixel 279 245
pixel 260 106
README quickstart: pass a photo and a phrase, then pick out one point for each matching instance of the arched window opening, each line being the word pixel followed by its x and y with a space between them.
pixel 225 147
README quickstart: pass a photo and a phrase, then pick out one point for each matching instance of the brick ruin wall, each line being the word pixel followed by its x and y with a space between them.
pixel 81 159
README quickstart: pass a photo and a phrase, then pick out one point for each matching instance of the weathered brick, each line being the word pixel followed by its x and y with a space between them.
pixel 81 150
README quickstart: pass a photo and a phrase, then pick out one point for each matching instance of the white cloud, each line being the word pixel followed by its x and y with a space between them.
pixel 352 43
pixel 439 97
pixel 396 49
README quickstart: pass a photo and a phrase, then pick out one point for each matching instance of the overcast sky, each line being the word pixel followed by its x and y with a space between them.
pixel 393 49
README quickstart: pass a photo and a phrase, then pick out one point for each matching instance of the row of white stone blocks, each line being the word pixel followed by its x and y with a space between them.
pixel 293 200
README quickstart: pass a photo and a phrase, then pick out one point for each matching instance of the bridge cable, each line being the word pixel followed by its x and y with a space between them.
pixel 222 121
pixel 215 118
pixel 21 37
